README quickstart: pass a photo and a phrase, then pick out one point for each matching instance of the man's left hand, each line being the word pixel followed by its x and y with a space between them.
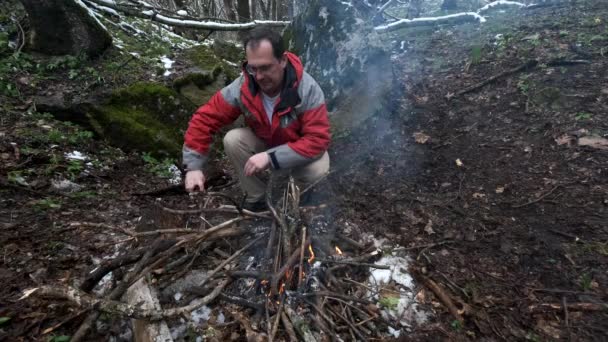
pixel 257 163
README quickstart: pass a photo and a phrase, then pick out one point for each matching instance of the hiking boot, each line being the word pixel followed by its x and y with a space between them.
pixel 255 206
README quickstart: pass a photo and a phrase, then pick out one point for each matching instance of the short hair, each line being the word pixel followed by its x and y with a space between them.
pixel 260 33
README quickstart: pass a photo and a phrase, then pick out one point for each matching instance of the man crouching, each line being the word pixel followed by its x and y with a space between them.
pixel 286 117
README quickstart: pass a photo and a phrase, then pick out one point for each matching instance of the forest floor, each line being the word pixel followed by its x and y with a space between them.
pixel 499 192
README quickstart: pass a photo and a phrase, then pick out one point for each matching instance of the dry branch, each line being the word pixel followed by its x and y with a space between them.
pixel 180 22
pixel 84 300
pixel 570 306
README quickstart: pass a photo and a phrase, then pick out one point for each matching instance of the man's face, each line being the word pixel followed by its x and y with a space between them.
pixel 267 69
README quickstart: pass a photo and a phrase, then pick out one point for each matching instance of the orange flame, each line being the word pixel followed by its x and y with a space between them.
pixel 282 289
pixel 338 250
pixel 312 254
pixel 264 282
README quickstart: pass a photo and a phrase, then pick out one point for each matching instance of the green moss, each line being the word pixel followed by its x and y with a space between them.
pixel 206 59
pixel 199 79
pixel 145 116
pixel 228 51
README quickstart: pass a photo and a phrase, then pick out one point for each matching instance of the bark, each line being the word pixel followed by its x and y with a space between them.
pixel 229 9
pixel 61 27
pixel 242 9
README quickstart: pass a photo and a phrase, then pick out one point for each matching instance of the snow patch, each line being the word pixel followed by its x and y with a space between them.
pixel 498 3
pixel 76 155
pixel 167 63
pixel 182 13
pixel 201 314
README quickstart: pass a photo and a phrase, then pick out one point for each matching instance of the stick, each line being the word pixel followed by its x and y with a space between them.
pixel 111 306
pixel 440 293
pixel 302 247
pixel 346 262
pixel 227 261
pixel 570 306
pixel 289 327
pixel 300 325
pixel 274 329
pixel 108 266
pixel 102 225
pixel 528 64
pixel 60 324
pixel 288 265
pixel 229 209
pixel 538 199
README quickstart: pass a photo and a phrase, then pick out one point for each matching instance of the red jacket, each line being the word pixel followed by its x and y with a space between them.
pixel 299 132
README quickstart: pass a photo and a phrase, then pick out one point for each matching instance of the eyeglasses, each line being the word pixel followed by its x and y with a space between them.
pixel 262 69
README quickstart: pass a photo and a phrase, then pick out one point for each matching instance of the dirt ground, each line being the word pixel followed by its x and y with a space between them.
pixel 500 193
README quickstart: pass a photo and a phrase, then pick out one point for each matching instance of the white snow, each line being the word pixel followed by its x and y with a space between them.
pixel 176 175
pixel 500 2
pixel 201 314
pixel 430 19
pixel 182 13
pixel 397 272
pixel 167 64
pixel 177 296
pixel 76 155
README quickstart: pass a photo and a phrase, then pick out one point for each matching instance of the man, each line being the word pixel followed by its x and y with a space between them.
pixel 284 110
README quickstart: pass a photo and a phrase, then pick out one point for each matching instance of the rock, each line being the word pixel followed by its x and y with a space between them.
pixel 341 50
pixel 65 186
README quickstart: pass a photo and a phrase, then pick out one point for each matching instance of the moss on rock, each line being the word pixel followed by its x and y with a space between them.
pixel 145 117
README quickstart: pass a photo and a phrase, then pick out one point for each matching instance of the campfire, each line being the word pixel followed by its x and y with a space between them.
pixel 296 278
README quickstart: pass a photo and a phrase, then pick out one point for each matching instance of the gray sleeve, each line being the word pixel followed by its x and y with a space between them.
pixel 193 160
pixel 284 157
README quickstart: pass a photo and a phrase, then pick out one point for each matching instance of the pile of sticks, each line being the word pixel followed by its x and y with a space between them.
pixel 303 289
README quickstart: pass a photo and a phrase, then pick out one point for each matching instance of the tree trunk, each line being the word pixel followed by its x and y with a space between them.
pixel 61 27
pixel 264 9
pixel 348 59
pixel 253 8
pixel 229 9
pixel 242 9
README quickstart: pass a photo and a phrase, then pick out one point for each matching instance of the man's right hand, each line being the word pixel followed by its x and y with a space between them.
pixel 195 181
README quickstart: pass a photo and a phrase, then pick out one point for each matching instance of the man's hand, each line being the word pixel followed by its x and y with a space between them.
pixel 257 163
pixel 195 181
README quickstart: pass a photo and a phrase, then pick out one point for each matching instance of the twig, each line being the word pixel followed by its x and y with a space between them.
pixel 274 284
pixel 103 225
pixel 308 188
pixel 336 295
pixel 275 328
pixel 528 64
pixel 363 264
pixel 302 247
pixel 570 306
pixel 440 293
pixel 538 199
pixel 566 316
pixel 108 266
pixel 22 36
pixel 227 261
pixel 111 306
pixel 430 245
pixel 289 327
pixel 60 324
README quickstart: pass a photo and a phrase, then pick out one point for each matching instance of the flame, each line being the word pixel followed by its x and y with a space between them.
pixel 312 254
pixel 264 282
pixel 338 250
pixel 282 289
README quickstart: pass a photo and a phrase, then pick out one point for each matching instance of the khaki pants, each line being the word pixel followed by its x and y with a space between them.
pixel 241 143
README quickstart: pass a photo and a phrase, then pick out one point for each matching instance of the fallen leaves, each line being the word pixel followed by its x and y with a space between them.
pixel 421 138
pixel 594 142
